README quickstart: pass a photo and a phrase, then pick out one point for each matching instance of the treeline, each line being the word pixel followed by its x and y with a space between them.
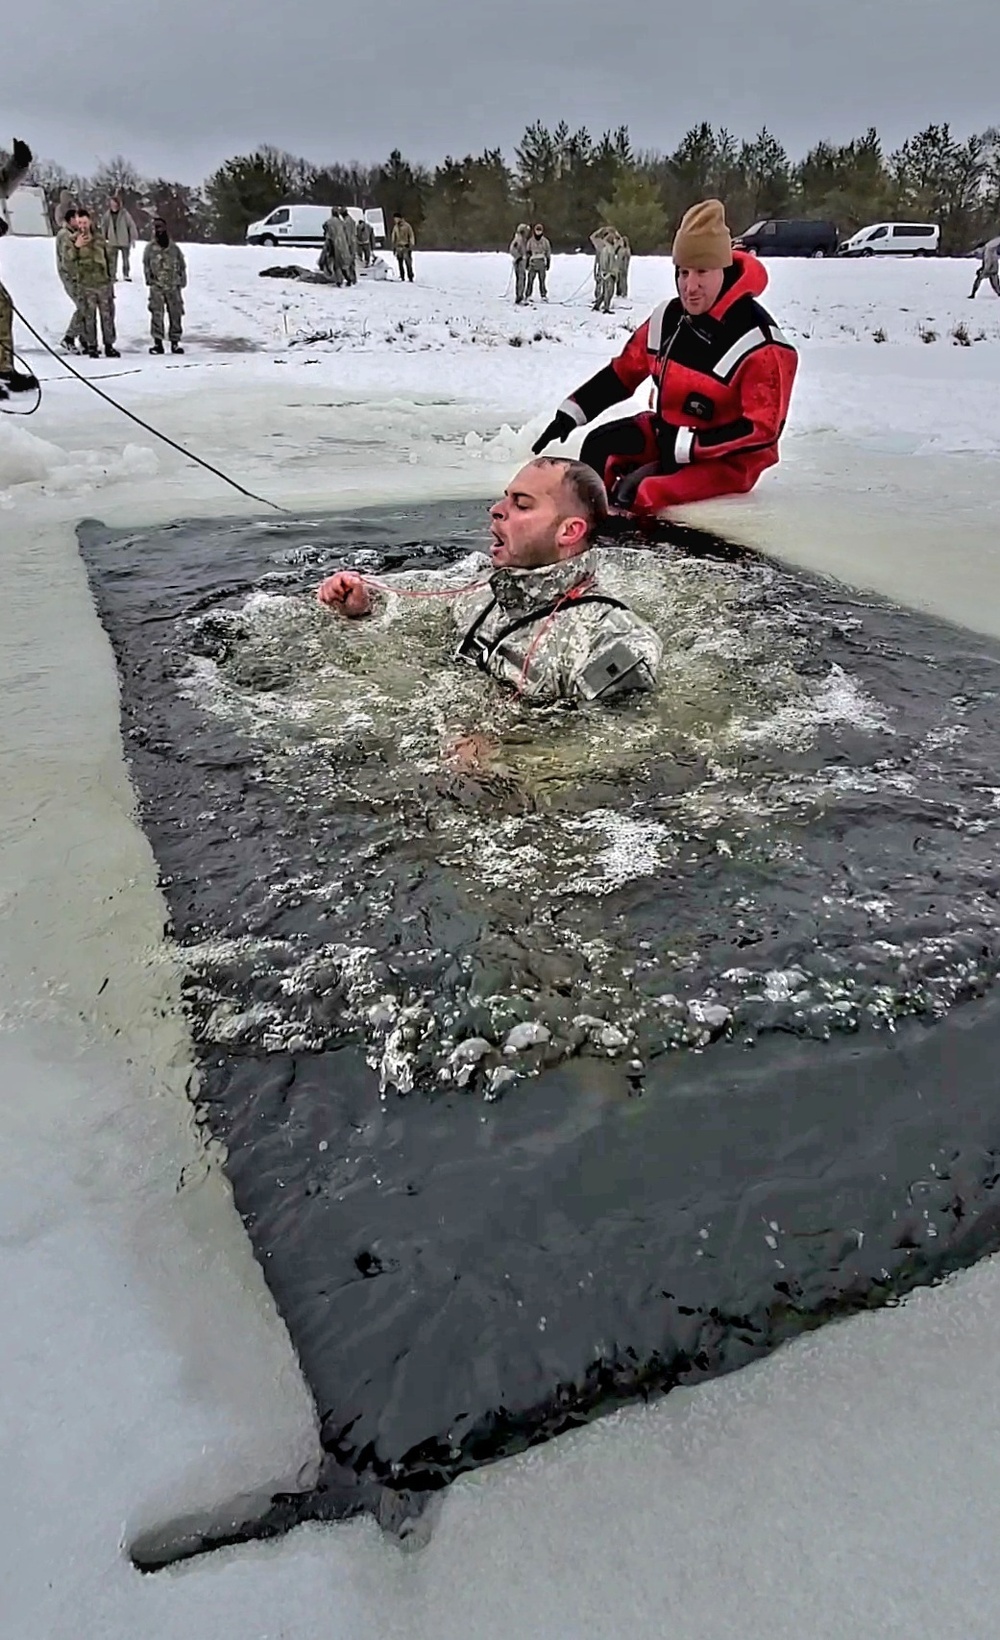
pixel 572 182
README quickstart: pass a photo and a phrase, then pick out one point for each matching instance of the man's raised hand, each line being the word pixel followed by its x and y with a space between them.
pixel 346 592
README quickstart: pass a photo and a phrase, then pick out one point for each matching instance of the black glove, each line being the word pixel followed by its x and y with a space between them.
pixel 22 154
pixel 559 428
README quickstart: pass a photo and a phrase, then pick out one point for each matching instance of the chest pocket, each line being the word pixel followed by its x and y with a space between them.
pixel 481 651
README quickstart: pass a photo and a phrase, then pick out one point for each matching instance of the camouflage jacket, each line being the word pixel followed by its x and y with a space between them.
pixel 164 266
pixel 991 256
pixel 403 237
pixel 64 244
pixel 518 248
pixel 87 266
pixel 539 252
pixel 335 236
pixel 552 634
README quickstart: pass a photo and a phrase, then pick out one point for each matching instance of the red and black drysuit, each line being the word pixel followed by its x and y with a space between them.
pixel 722 382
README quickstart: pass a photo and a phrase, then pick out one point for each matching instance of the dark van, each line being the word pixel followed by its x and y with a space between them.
pixel 790 236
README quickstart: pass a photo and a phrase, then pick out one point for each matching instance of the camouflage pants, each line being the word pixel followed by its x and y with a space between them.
pixel 405 261
pixel 604 294
pixel 994 279
pixel 125 252
pixel 520 280
pixel 536 271
pixel 622 283
pixel 74 330
pixel 92 303
pixel 6 332
pixel 170 302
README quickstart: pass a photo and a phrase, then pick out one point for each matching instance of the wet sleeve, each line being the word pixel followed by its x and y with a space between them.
pixel 623 659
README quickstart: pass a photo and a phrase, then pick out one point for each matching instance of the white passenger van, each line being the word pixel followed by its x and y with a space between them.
pixel 894 238
pixel 303 225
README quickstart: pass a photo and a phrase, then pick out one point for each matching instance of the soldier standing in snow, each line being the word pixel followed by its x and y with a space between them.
pixel 366 242
pixel 89 272
pixel 11 380
pixel 120 234
pixel 539 263
pixel 518 252
pixel 333 259
pixel 989 268
pixel 64 244
pixel 165 272
pixel 351 232
pixel 606 243
pixel 624 261
pixel 403 243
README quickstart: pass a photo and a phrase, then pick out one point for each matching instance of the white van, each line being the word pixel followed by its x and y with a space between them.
pixel 890 238
pixel 26 212
pixel 303 225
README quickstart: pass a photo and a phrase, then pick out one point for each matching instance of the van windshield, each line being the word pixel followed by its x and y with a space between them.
pixel 757 228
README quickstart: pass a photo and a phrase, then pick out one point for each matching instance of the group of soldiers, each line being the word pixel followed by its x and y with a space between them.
pixel 531 254
pixel 87 262
pixel 612 256
pixel 348 241
pixel 345 244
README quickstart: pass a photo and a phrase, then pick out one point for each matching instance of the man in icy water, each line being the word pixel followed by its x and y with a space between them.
pixel 540 622
pixel 722 376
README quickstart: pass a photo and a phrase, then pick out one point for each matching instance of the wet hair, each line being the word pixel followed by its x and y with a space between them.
pixel 586 487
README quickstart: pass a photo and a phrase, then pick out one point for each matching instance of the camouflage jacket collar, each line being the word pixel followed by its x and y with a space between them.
pixel 519 591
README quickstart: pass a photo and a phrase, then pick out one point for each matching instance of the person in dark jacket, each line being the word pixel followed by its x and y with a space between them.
pixel 722 377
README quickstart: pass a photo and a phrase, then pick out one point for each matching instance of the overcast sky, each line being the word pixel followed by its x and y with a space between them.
pixel 179 85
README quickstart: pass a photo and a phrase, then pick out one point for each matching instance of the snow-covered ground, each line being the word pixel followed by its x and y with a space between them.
pixel 846 1488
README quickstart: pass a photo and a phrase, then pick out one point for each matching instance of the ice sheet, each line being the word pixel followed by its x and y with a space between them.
pixel 848 1487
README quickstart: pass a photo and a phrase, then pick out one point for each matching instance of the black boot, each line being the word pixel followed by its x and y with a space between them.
pixel 175 347
pixel 92 352
pixel 111 353
pixel 18 381
pixel 157 347
pixel 68 344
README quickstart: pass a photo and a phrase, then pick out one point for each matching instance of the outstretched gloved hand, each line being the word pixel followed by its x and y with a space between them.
pixel 345 591
pixel 22 154
pixel 559 428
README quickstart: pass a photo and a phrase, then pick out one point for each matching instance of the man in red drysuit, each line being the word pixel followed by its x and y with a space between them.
pixel 722 377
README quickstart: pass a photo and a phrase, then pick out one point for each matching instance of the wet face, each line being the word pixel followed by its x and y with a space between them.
pixel 699 288
pixel 537 521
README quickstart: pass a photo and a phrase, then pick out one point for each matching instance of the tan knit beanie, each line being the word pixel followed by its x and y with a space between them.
pixel 702 240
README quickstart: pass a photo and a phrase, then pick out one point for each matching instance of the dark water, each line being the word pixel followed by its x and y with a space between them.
pixel 745 935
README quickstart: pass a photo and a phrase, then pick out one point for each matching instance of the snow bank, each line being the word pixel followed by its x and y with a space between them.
pixel 26 459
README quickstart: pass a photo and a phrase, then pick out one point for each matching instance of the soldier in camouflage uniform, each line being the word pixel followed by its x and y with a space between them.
pixel 11 379
pixel 165 272
pixel 606 242
pixel 518 252
pixel 89 272
pixel 334 255
pixel 403 241
pixel 539 263
pixel 64 243
pixel 351 230
pixel 624 263
pixel 366 242
pixel 538 620
pixel 989 267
